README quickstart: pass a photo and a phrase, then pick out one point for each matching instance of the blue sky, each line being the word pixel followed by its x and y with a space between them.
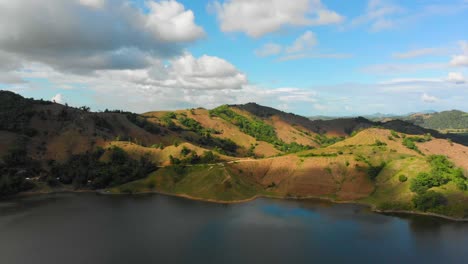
pixel 313 57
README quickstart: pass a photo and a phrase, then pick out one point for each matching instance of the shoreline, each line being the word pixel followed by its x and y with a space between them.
pixel 189 197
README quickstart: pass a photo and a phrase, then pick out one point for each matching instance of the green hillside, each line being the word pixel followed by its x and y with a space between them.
pixel 228 154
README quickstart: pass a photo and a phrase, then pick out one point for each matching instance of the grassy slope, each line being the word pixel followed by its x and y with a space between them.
pixel 336 172
pixel 209 182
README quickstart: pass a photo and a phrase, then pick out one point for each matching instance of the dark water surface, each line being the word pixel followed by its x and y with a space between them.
pixel 90 228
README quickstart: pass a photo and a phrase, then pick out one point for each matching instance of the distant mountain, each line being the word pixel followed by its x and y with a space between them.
pixel 447 120
pixel 230 153
pixel 430 119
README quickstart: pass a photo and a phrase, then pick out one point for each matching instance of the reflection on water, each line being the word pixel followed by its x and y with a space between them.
pixel 90 228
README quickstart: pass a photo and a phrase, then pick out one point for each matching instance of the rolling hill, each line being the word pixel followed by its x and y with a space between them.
pixel 230 153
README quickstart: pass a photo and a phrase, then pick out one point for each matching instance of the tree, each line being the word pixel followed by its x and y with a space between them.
pixel 428 200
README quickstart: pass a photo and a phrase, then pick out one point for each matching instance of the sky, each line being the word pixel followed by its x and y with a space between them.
pixel 310 57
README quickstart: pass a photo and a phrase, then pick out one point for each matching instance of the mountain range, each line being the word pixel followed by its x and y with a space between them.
pixel 453 121
pixel 235 153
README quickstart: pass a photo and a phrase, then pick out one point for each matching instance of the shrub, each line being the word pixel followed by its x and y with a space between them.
pixel 394 134
pixel 407 142
pixel 374 171
pixel 185 151
pixel 402 178
pixel 379 143
pixel 170 115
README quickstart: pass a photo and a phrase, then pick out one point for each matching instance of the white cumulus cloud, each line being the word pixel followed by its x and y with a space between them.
pixel 456 77
pixel 88 35
pixel 259 17
pixel 428 98
pixel 58 98
pixel 171 22
pixel 461 60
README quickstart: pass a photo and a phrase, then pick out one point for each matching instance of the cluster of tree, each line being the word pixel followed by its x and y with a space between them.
pixel 221 145
pixel 410 142
pixel 308 155
pixel 88 170
pixel 141 122
pixel 442 172
pixel 372 170
pixel 16 171
pixel 429 200
pixel 102 123
pixel 168 122
pixel 193 125
pixel 257 129
pixel 291 147
pixel 191 158
pixel 253 127
pixel 324 141
pixel 16 113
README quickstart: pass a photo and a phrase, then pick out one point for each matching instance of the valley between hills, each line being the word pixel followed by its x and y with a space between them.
pixel 229 154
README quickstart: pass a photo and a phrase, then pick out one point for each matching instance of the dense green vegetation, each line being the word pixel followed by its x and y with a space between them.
pixel 325 141
pixel 16 113
pixel 429 200
pixel 257 129
pixel 424 181
pixel 253 127
pixel 195 126
pixel 442 172
pixel 141 121
pixel 220 145
pixel 16 171
pixel 88 170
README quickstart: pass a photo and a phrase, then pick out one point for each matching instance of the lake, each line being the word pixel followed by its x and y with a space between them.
pixel 92 228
